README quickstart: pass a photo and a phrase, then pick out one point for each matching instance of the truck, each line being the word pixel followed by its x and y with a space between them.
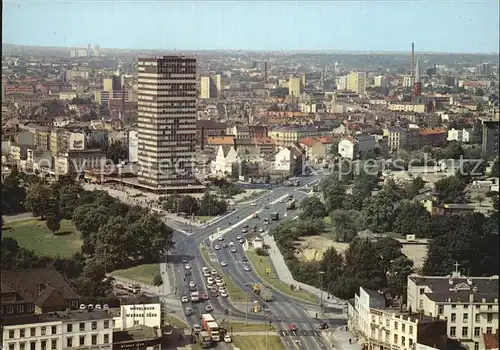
pixel 291 204
pixel 195 297
pixel 266 294
pixel 275 216
pixel 208 324
pixel 205 339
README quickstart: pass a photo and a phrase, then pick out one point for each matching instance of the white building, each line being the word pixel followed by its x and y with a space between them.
pixel 58 330
pixel 351 146
pixel 283 160
pixel 470 304
pixel 461 136
pixel 133 146
pixel 224 161
pixel 144 311
pixel 381 81
pixel 381 325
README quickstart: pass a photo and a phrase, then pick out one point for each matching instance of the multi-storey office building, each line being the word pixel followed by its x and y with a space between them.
pixel 167 98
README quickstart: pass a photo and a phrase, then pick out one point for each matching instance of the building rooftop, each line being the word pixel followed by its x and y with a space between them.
pixel 65 316
pixel 134 334
pixel 142 299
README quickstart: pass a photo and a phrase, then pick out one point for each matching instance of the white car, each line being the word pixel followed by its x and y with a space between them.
pixel 210 283
pixel 204 268
pixel 223 293
pixel 221 283
pixel 233 250
pixel 227 338
pixel 217 247
pixel 221 238
pixel 238 238
pixel 192 284
pixel 246 268
pixel 210 279
pixel 231 243
pixel 206 273
pixel 209 308
pixel 253 204
pixel 261 230
pixel 187 267
pixel 83 307
pixel 98 306
pixel 214 273
pixel 218 279
pixel 185 299
pixel 223 263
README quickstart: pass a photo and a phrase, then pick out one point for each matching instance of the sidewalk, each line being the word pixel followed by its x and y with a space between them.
pixel 285 275
pixel 339 338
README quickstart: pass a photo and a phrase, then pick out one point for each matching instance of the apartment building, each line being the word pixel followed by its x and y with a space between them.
pixel 381 81
pixel 166 121
pixel 210 86
pixel 294 86
pixel 287 135
pixel 356 81
pixel 381 324
pixel 435 137
pixel 490 138
pixel 58 330
pixel 460 136
pixel 77 161
pixel 141 311
pixel 469 304
pixel 350 147
pixel 406 107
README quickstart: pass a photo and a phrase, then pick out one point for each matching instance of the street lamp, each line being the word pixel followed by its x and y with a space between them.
pixel 321 273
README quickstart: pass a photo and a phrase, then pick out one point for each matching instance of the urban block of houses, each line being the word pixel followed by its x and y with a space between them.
pixel 350 147
pixel 316 148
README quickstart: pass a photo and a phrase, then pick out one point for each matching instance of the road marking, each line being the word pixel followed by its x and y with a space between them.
pixel 230 228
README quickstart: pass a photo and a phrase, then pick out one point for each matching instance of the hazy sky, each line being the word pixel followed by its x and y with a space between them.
pixel 435 25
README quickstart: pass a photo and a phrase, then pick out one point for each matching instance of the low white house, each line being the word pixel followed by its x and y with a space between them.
pixel 224 161
pixel 461 136
pixel 143 311
pixel 351 146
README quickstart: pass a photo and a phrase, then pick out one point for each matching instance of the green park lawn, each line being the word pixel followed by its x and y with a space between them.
pixel 260 263
pixel 258 342
pixel 33 234
pixel 140 273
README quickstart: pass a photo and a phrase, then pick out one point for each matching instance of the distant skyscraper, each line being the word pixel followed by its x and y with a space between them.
pixel 166 121
pixel 211 86
pixel 294 85
pixel 356 81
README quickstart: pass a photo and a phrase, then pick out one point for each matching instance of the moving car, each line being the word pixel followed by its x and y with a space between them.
pixel 217 247
pixel 253 204
pixel 223 263
pixel 233 250
pixel 292 327
pixel 238 238
pixel 184 261
pixel 209 308
pixel 244 230
pixel 185 299
pixel 192 284
pixel 196 328
pixel 227 338
pixel 204 296
pixel 224 245
pixel 221 238
pixel 323 326
pixel 245 260
pixel 246 268
pixel 231 243
pixel 187 267
pixel 261 229
pixel 245 226
pixel 223 293
pixel 242 241
pixel 188 311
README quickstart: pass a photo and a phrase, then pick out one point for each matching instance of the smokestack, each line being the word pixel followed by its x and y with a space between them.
pixel 412 63
pixel 265 72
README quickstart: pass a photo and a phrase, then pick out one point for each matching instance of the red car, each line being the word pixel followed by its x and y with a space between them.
pixel 204 296
pixel 292 327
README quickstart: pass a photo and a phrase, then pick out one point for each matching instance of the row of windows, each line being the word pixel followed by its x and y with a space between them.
pixel 465 331
pixel 23 332
pixel 82 341
pixel 465 318
pixel 19 309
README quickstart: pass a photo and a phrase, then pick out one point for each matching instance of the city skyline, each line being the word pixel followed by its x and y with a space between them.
pixel 463 27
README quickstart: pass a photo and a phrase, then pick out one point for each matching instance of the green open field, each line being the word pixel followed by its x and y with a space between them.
pixel 235 292
pixel 33 234
pixel 260 263
pixel 258 342
pixel 176 322
pixel 141 273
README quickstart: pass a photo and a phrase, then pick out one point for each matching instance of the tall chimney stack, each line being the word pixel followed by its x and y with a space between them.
pixel 412 63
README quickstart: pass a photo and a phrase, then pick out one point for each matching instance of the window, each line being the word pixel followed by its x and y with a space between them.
pixel 20 308
pixel 453 317
pixel 453 331
pixel 478 306
pixel 82 326
pixel 476 331
pixel 411 330
pixel 53 330
pixel 82 340
pixel 387 323
pixel 33 345
pixel 403 327
pixel 69 328
pixel 453 306
pixel 489 330
pixel 32 331
pixel 44 344
pixel 489 318
pixel 440 309
pixel 136 322
pixel 395 325
pixel 21 333
pixel 421 304
pixel 106 324
pixel 466 306
pixel 94 339
pixel 477 318
pixel 44 330
pixel 54 344
pixel 114 324
pixel 466 318
pixel 94 325
pixel 10 309
pixel 395 338
pixel 373 319
pixel 22 346
pixel 465 331
pixel 11 334
pixel 69 342
pixel 410 342
pixel 106 338
pixel 476 345
pixel 30 307
pixel 403 340
pixel 11 346
pixel 490 307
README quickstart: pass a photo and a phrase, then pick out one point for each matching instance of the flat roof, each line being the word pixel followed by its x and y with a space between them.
pixel 65 316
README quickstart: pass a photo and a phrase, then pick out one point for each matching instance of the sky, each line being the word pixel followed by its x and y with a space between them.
pixel 278 25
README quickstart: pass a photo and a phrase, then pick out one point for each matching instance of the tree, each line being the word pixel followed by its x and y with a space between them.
pixel 312 207
pixel 334 196
pixel 379 212
pixel 453 151
pixel 332 265
pixel 53 223
pixel 40 200
pixel 495 172
pixel 13 193
pixel 188 205
pixel 347 224
pixel 411 218
pixel 451 189
pixel 470 169
pixel 397 276
pixel 157 280
pixel 110 249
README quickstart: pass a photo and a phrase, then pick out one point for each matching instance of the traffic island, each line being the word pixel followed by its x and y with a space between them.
pixel 262 266
pixel 234 291
pixel 252 342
